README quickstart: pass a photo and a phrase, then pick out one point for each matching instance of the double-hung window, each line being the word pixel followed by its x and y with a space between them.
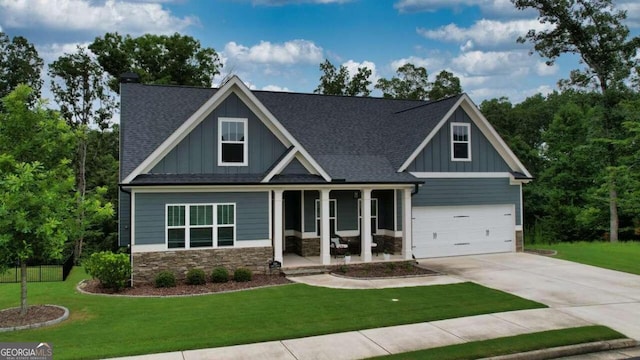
pixel 232 142
pixel 200 226
pixel 460 142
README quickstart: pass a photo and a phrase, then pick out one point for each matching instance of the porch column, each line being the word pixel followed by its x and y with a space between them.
pixel 277 225
pixel 325 254
pixel 407 251
pixel 366 225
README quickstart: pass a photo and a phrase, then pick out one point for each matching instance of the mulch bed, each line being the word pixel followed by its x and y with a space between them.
pixel 35 314
pixel 93 286
pixel 381 270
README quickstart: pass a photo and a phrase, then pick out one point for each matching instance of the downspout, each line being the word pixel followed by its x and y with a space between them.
pixel 416 189
pixel 130 234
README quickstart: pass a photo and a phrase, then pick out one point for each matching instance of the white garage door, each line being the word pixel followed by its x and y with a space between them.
pixel 463 230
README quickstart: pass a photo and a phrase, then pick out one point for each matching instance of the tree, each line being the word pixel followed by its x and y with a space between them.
pixel 157 59
pixel 410 83
pixel 36 184
pixel 80 88
pixel 19 64
pixel 339 82
pixel 446 84
pixel 593 30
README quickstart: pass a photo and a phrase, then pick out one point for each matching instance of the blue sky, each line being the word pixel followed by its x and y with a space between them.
pixel 279 44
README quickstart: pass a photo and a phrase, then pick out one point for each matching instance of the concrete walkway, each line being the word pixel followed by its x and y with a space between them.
pixel 404 338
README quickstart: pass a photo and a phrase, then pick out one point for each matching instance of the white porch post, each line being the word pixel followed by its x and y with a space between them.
pixel 277 225
pixel 366 225
pixel 325 255
pixel 407 251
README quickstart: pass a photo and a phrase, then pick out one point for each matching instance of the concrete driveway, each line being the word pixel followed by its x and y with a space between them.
pixel 597 295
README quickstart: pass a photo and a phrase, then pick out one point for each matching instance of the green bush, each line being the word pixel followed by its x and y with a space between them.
pixel 112 270
pixel 242 275
pixel 196 277
pixel 220 275
pixel 165 279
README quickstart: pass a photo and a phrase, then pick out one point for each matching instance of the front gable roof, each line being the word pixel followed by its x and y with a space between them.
pixel 234 85
pixel 463 101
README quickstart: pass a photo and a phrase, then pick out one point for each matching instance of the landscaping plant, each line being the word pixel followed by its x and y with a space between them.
pixel 112 270
pixel 242 275
pixel 165 279
pixel 220 275
pixel 196 277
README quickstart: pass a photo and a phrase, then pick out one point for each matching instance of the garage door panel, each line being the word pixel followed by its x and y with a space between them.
pixel 463 230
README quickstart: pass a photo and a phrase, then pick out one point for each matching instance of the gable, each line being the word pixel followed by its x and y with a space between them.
pixel 436 156
pixel 232 86
pixel 295 167
pixel 197 153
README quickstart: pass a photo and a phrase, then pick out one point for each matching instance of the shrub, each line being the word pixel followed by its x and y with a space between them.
pixel 220 275
pixel 165 279
pixel 196 277
pixel 112 270
pixel 343 269
pixel 242 275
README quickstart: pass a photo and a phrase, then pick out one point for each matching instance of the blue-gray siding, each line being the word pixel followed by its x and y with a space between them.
pixel 436 156
pixel 252 213
pixel 197 153
pixel 294 168
pixel 293 210
pixel 124 218
pixel 347 207
pixel 385 208
pixel 459 192
pixel 310 210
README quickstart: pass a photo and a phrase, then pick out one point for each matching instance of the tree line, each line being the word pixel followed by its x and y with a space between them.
pixel 580 142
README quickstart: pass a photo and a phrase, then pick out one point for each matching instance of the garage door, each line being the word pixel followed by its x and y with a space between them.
pixel 463 230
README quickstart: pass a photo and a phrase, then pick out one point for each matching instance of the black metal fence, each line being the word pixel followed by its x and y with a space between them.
pixel 39 273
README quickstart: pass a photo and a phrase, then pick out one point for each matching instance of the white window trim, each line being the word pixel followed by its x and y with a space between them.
pixel 332 202
pixel 374 205
pixel 214 227
pixel 245 143
pixel 468 142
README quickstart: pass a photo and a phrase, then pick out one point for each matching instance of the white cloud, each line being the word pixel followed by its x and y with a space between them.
pixel 484 32
pixel 633 12
pixel 51 52
pixel 429 63
pixel 85 15
pixel 352 67
pixel 542 69
pixel 290 52
pixel 493 62
pixel 275 88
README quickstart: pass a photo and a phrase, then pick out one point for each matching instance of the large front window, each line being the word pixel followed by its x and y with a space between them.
pixel 460 142
pixel 232 142
pixel 200 225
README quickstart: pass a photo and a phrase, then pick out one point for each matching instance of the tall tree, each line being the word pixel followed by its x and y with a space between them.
pixel 339 82
pixel 80 88
pixel 157 59
pixel 19 64
pixel 36 184
pixel 593 30
pixel 411 83
pixel 446 84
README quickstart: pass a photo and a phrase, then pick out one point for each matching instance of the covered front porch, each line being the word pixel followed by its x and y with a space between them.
pixel 371 220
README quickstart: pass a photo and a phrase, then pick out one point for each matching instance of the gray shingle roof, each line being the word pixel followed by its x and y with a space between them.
pixel 355 139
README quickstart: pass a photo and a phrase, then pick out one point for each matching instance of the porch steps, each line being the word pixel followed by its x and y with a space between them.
pixel 306 271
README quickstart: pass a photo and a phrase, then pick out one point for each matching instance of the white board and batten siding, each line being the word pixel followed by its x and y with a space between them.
pixel 463 230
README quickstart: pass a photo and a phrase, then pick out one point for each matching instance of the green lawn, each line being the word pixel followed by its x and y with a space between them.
pixel 102 326
pixel 513 344
pixel 621 256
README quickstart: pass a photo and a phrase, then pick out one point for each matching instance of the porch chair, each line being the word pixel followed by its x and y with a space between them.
pixel 338 245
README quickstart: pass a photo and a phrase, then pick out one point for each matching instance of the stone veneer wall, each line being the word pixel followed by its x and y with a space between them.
pixel 147 265
pixel 519 241
pixel 310 247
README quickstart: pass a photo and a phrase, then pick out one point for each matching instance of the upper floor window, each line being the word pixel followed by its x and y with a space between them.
pixel 460 142
pixel 232 142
